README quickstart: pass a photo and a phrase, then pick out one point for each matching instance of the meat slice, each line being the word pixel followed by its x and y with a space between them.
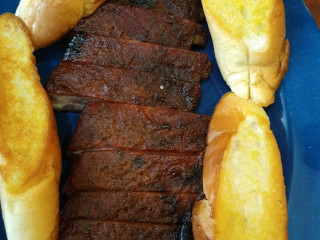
pixel 113 230
pixel 145 207
pixel 72 85
pixel 190 9
pixel 124 126
pixel 119 170
pixel 143 25
pixel 140 56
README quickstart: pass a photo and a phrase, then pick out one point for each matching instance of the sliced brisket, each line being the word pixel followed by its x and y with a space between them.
pixel 124 126
pixel 119 170
pixel 137 169
pixel 146 207
pixel 143 25
pixel 140 56
pixel 72 85
pixel 113 230
pixel 190 9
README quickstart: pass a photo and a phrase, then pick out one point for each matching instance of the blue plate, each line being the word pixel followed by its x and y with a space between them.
pixel 295 115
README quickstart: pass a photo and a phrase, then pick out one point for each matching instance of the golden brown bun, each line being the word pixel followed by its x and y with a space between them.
pixel 49 20
pixel 202 222
pixel 250 46
pixel 242 173
pixel 30 158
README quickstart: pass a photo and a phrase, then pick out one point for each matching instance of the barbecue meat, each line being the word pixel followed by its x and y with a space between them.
pixel 124 126
pixel 137 169
pixel 102 230
pixel 190 9
pixel 146 207
pixel 148 57
pixel 119 170
pixel 143 25
pixel 72 85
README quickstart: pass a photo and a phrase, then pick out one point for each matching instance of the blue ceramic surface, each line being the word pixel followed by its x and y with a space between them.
pixel 294 117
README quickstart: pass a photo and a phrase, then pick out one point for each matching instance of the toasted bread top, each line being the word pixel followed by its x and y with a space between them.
pixel 26 120
pixel 244 18
pixel 242 173
pixel 228 114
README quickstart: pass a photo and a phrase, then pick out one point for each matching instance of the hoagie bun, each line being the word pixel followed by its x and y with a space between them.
pixel 250 46
pixel 30 159
pixel 242 175
pixel 49 20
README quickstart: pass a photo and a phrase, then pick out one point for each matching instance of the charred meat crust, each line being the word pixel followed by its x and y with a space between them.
pixel 86 82
pixel 124 53
pixel 145 207
pixel 117 170
pixel 139 24
pixel 124 126
pixel 190 9
pixel 139 172
pixel 94 229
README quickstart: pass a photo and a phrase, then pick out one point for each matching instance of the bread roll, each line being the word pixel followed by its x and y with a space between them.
pixel 30 158
pixel 49 20
pixel 250 46
pixel 242 174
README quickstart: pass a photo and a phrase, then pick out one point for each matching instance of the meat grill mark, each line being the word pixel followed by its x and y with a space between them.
pixel 143 25
pixel 72 85
pixel 124 53
pixel 190 9
pixel 95 229
pixel 144 207
pixel 106 125
pixel 118 170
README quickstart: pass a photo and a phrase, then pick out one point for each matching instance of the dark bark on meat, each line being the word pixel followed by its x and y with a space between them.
pixel 72 85
pixel 142 25
pixel 124 126
pixel 190 9
pixel 118 170
pixel 146 207
pixel 113 230
pixel 124 53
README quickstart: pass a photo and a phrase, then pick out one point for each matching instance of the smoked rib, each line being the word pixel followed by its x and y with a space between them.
pixel 94 229
pixel 190 9
pixel 143 25
pixel 124 126
pixel 124 53
pixel 145 207
pixel 72 85
pixel 115 170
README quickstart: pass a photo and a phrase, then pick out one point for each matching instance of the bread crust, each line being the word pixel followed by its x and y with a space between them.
pixel 49 20
pixel 252 72
pixel 228 118
pixel 30 157
pixel 202 222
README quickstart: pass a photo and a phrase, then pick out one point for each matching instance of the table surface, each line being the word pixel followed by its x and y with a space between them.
pixel 314 8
